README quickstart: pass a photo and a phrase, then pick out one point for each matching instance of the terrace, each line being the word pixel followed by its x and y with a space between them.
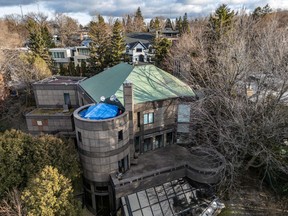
pixel 167 164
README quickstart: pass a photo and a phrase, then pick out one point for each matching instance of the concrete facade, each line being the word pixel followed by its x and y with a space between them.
pixel 104 148
pixel 57 91
pixel 56 98
pixel 47 123
pixel 163 125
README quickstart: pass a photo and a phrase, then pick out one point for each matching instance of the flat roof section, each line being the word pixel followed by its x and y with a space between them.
pixel 50 112
pixel 65 80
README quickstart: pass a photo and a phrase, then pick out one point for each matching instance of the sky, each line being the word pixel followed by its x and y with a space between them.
pixel 84 10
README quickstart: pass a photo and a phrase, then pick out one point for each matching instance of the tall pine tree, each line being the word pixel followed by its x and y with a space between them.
pixel 99 47
pixel 40 40
pixel 185 24
pixel 117 44
pixel 221 21
pixel 139 23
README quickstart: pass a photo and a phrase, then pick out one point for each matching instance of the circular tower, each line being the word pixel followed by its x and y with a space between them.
pixel 103 147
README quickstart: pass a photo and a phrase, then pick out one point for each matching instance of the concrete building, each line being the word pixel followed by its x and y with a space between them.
pixel 61 56
pixel 56 98
pixel 136 148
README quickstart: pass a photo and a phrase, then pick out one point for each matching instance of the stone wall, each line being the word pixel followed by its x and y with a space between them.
pixel 164 113
pixel 52 96
pixel 49 124
pixel 99 145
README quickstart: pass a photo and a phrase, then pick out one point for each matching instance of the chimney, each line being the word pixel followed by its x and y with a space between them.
pixel 129 107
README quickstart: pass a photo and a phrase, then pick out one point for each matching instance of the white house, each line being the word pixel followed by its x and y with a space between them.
pixel 139 47
pixel 138 52
pixel 61 55
pixel 81 53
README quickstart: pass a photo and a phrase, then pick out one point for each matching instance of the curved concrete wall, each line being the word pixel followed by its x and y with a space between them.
pixel 98 144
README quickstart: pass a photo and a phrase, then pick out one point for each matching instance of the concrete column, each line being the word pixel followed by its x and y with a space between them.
pixel 129 107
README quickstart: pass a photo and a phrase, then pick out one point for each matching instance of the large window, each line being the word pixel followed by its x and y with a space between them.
pixel 148 118
pixel 137 144
pixel 148 144
pixel 84 52
pixel 58 54
pixel 123 164
pixel 67 100
pixel 183 113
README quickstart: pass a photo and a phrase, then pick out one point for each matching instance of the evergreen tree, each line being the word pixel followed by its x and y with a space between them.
pixel 129 24
pixel 151 24
pixel 117 44
pixel 185 24
pixel 260 12
pixel 83 69
pixel 162 46
pixel 221 21
pixel 40 40
pixel 157 24
pixel 72 70
pixel 99 48
pixel 23 155
pixel 139 21
pixel 49 193
pixel 168 24
pixel 179 24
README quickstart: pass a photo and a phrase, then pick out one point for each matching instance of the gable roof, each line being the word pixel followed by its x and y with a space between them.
pixel 144 37
pixel 132 45
pixel 134 37
pixel 149 83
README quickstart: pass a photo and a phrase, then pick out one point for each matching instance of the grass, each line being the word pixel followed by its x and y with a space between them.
pixel 52 111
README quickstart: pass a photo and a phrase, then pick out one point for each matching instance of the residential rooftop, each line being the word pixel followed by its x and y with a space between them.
pixel 67 80
pixel 149 84
pixel 144 37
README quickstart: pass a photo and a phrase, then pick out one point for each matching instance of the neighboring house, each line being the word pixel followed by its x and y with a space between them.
pixel 61 56
pixel 139 47
pixel 81 54
pixel 169 33
pixel 156 114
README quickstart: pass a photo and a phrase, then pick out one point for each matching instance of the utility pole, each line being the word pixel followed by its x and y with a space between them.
pixel 21 11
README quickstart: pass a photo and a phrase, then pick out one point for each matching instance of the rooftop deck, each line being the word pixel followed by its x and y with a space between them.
pixel 169 163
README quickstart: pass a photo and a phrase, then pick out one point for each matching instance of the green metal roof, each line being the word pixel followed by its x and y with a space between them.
pixel 149 83
pixel 107 82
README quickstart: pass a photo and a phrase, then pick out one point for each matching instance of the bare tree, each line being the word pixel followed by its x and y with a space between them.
pixel 66 27
pixel 12 204
pixel 8 39
pixel 243 75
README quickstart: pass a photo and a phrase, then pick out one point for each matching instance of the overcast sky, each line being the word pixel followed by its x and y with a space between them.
pixel 83 10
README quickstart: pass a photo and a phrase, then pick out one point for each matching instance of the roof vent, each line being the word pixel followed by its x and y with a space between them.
pixel 113 98
pixel 102 98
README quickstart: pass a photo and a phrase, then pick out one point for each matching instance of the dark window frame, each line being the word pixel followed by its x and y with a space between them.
pixel 120 135
pixel 79 136
pixel 138 50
